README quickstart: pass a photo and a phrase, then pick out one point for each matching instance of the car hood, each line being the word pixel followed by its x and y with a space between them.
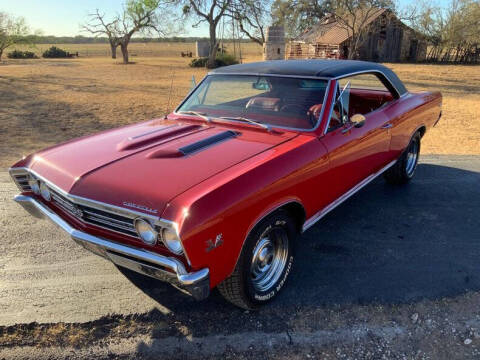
pixel 143 166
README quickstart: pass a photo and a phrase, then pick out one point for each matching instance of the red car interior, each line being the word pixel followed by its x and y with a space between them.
pixel 363 101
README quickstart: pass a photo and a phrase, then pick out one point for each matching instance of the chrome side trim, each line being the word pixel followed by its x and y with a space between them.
pixel 312 220
pixel 140 260
pixel 327 89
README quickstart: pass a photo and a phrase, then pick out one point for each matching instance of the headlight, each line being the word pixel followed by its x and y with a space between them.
pixel 146 231
pixel 171 241
pixel 45 192
pixel 34 185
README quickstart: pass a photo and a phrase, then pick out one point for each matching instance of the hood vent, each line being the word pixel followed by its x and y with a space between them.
pixel 155 136
pixel 215 139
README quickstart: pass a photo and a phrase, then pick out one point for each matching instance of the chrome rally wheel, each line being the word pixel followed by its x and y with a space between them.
pixel 269 259
pixel 264 263
pixel 404 169
pixel 412 157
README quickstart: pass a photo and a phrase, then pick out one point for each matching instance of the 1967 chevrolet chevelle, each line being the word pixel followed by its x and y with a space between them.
pixel 215 194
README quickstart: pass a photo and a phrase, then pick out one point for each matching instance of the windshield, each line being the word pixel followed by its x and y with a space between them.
pixel 268 100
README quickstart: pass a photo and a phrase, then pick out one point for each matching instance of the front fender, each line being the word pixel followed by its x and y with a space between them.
pixel 219 213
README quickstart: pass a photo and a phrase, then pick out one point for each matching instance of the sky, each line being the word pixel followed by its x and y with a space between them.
pixel 62 17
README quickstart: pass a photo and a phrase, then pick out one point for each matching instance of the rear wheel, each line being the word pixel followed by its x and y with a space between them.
pixel 264 264
pixel 404 168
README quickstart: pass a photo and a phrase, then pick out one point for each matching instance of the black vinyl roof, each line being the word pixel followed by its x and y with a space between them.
pixel 313 67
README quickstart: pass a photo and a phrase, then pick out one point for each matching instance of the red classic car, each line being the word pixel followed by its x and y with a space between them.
pixel 216 193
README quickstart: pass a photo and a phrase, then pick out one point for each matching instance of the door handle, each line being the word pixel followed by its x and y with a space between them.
pixel 387 126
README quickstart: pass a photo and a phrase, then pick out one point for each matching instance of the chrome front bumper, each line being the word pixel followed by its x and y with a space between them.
pixel 142 261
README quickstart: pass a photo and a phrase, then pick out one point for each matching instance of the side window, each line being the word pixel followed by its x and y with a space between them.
pixel 368 93
pixel 364 82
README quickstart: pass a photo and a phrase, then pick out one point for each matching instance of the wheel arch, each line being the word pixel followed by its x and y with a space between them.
pixel 293 206
pixel 421 129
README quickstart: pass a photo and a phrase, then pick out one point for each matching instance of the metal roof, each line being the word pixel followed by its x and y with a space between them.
pixel 312 67
pixel 332 32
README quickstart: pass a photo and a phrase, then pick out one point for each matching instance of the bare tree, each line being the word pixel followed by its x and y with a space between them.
pixel 252 17
pixel 210 11
pixel 13 30
pixel 354 16
pixel 144 16
pixel 98 26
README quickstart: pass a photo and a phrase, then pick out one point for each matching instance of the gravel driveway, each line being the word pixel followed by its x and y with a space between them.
pixel 393 271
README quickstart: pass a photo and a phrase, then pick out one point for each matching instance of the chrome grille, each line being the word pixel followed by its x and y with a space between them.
pixel 100 218
pixel 22 181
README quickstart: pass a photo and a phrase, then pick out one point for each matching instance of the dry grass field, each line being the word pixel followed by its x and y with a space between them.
pixel 43 102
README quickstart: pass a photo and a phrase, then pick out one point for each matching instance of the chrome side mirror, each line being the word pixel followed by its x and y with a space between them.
pixel 358 120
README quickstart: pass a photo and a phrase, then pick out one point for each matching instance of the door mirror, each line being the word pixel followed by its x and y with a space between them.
pixel 358 120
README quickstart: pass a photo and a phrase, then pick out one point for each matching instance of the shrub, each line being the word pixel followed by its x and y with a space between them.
pixel 17 54
pixel 225 59
pixel 55 52
pixel 221 60
pixel 199 62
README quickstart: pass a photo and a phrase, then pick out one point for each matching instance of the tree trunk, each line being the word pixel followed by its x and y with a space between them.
pixel 213 46
pixel 1 52
pixel 124 49
pixel 352 51
pixel 113 47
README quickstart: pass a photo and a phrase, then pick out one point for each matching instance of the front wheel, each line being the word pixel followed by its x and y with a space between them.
pixel 264 264
pixel 405 167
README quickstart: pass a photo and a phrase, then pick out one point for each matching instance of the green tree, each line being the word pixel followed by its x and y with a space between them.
pixel 252 17
pixel 13 30
pixel 210 11
pixel 453 32
pixel 138 16
pixel 296 16
pixel 354 16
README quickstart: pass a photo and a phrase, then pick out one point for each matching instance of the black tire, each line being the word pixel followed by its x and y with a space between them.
pixel 404 169
pixel 245 290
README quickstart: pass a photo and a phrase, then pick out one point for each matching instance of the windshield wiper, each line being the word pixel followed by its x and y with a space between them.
pixel 201 115
pixel 250 121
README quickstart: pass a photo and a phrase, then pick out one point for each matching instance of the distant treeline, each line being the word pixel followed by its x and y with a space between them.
pixel 103 40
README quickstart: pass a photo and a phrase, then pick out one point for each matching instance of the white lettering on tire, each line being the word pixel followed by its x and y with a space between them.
pixel 272 293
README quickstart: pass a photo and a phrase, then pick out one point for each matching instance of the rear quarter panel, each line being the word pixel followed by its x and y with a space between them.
pixel 411 112
pixel 232 202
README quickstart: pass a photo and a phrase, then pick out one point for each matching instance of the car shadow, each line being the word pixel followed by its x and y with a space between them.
pixel 387 245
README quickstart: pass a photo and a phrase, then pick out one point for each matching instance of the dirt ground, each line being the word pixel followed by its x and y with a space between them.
pixel 44 102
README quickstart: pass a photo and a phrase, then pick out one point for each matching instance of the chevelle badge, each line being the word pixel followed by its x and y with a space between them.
pixel 140 207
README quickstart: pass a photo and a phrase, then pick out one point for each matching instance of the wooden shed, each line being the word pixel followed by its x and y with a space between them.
pixel 387 39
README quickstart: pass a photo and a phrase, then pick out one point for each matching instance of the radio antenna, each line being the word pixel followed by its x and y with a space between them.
pixel 167 110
